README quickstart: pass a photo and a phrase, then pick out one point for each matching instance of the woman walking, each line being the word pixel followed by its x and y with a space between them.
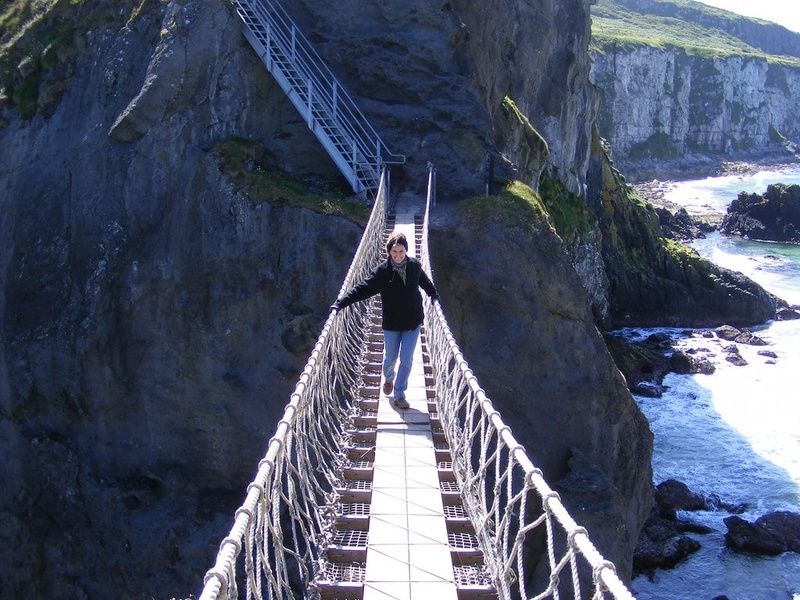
pixel 397 280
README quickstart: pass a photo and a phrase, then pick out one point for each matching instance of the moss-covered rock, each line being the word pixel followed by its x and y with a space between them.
pixel 655 281
pixel 520 314
pixel 243 161
pixel 531 149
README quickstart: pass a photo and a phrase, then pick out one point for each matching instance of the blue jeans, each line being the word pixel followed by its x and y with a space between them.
pixel 402 343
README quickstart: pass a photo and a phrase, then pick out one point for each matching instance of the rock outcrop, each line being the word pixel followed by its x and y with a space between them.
pixel 519 313
pixel 771 534
pixel 775 216
pixel 656 281
pixel 154 316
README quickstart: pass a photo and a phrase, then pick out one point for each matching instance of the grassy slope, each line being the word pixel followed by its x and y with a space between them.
pixel 615 25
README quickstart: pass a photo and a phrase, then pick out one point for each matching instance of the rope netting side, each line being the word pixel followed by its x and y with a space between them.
pixel 532 546
pixel 273 549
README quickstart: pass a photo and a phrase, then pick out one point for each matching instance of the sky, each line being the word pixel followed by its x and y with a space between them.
pixel 784 12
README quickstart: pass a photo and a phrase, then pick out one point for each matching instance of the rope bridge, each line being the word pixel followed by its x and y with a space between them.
pixel 279 544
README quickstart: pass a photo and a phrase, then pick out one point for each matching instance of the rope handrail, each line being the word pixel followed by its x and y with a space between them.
pixel 286 516
pixel 497 477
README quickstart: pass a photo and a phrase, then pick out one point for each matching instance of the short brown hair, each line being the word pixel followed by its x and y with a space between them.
pixel 397 237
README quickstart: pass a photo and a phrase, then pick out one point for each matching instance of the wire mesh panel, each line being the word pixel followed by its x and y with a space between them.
pixel 352 572
pixel 354 509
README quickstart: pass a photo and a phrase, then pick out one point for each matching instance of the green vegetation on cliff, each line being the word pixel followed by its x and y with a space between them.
pixel 40 40
pixel 568 212
pixel 657 281
pixel 517 205
pixel 615 26
pixel 241 159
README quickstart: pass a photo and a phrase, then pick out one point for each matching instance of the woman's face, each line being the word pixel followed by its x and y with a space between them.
pixel 398 253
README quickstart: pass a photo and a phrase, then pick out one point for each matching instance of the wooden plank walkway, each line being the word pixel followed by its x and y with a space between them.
pixel 408 554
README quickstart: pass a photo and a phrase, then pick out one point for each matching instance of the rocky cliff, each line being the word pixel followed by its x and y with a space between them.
pixel 160 284
pixel 526 326
pixel 663 98
pixel 655 281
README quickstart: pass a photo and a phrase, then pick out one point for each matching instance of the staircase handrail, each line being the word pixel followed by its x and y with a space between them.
pixel 324 84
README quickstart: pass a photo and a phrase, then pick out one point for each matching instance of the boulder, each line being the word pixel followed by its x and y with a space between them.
pixel 681 363
pixel 785 526
pixel 736 360
pixel 787 314
pixel 775 216
pixel 672 495
pixel 653 554
pixel 768 353
pixel 743 536
pixel 680 225
pixel 745 337
pixel 726 332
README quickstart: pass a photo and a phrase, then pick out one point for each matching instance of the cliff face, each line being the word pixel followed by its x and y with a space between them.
pixel 681 80
pixel 655 282
pixel 663 103
pixel 154 316
pixel 156 310
pixel 526 327
pixel 432 77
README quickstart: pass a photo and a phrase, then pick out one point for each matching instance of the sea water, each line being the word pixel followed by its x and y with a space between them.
pixel 734 433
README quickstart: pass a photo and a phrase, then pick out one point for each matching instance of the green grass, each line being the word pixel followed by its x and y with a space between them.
pixel 617 27
pixel 568 212
pixel 516 206
pixel 47 36
pixel 239 159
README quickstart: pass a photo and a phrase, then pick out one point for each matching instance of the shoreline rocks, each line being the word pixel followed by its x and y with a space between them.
pixel 775 216
pixel 646 362
pixel 771 534
pixel 663 543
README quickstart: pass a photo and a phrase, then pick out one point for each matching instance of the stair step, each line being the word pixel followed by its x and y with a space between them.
pixel 338 580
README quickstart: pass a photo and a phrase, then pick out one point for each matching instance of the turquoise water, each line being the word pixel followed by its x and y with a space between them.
pixel 735 433
pixel 714 194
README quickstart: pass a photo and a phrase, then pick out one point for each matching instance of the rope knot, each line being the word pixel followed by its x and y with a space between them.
pixel 571 536
pixel 244 510
pixel 221 577
pixel 233 542
pixel 547 498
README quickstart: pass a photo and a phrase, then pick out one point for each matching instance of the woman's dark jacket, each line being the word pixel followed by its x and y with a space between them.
pixel 402 302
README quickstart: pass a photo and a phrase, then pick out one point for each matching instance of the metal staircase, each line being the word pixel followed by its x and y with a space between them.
pixel 324 104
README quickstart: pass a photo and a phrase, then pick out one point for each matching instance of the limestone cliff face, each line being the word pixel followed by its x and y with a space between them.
pixel 663 103
pixel 154 314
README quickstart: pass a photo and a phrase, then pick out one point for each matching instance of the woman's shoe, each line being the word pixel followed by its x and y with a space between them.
pixel 388 386
pixel 401 402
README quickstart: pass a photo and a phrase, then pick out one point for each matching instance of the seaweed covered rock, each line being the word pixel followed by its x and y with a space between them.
pixel 775 216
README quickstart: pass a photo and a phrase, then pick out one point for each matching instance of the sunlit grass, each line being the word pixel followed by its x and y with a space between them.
pixel 615 26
